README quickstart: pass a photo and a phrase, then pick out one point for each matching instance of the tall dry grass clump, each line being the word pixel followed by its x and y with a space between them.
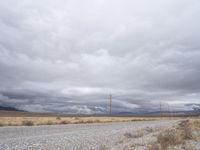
pixel 186 127
pixel 65 122
pixel 58 118
pixel 154 146
pixel 169 138
pixel 27 123
pixel 49 123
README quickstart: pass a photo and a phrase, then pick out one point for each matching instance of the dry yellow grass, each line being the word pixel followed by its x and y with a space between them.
pixel 8 121
pixel 25 118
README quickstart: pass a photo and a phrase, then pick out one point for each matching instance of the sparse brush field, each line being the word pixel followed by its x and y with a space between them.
pixel 30 119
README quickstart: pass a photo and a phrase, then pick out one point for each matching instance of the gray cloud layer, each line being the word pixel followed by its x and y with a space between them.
pixel 69 55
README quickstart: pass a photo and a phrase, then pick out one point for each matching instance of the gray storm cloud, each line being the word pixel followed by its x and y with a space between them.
pixel 67 56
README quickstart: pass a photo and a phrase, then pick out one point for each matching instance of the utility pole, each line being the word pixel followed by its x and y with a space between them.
pixel 168 108
pixel 95 110
pixel 160 108
pixel 110 104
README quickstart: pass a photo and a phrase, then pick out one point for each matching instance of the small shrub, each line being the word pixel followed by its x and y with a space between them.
pixel 186 129
pixel 64 122
pixel 1 125
pixel 76 118
pixel 10 124
pixel 189 146
pixel 103 147
pixel 187 134
pixel 128 135
pixel 136 134
pixel 149 129
pixel 80 121
pixel 27 123
pixel 49 123
pixel 154 146
pixel 169 137
pixel 196 123
pixel 58 118
pixel 88 121
pixel 97 120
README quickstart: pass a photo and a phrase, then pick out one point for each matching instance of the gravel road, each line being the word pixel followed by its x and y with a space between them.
pixel 68 137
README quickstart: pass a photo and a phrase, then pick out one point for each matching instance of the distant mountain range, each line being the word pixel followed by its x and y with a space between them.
pixel 156 112
pixel 8 108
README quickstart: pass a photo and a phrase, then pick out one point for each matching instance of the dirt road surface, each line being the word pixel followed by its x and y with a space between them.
pixel 94 136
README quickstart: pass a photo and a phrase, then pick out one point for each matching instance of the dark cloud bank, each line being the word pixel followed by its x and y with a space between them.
pixel 68 55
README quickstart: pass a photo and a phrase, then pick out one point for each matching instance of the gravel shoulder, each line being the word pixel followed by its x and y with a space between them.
pixel 70 137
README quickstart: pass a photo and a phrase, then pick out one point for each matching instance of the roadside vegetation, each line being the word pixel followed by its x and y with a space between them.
pixel 27 123
pixel 182 136
pixel 8 118
pixel 30 121
pixel 185 136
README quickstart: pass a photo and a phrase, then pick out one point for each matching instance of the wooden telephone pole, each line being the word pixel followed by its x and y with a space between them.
pixel 160 108
pixel 110 104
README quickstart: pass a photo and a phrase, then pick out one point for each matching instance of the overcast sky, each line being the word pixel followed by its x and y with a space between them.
pixel 69 55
